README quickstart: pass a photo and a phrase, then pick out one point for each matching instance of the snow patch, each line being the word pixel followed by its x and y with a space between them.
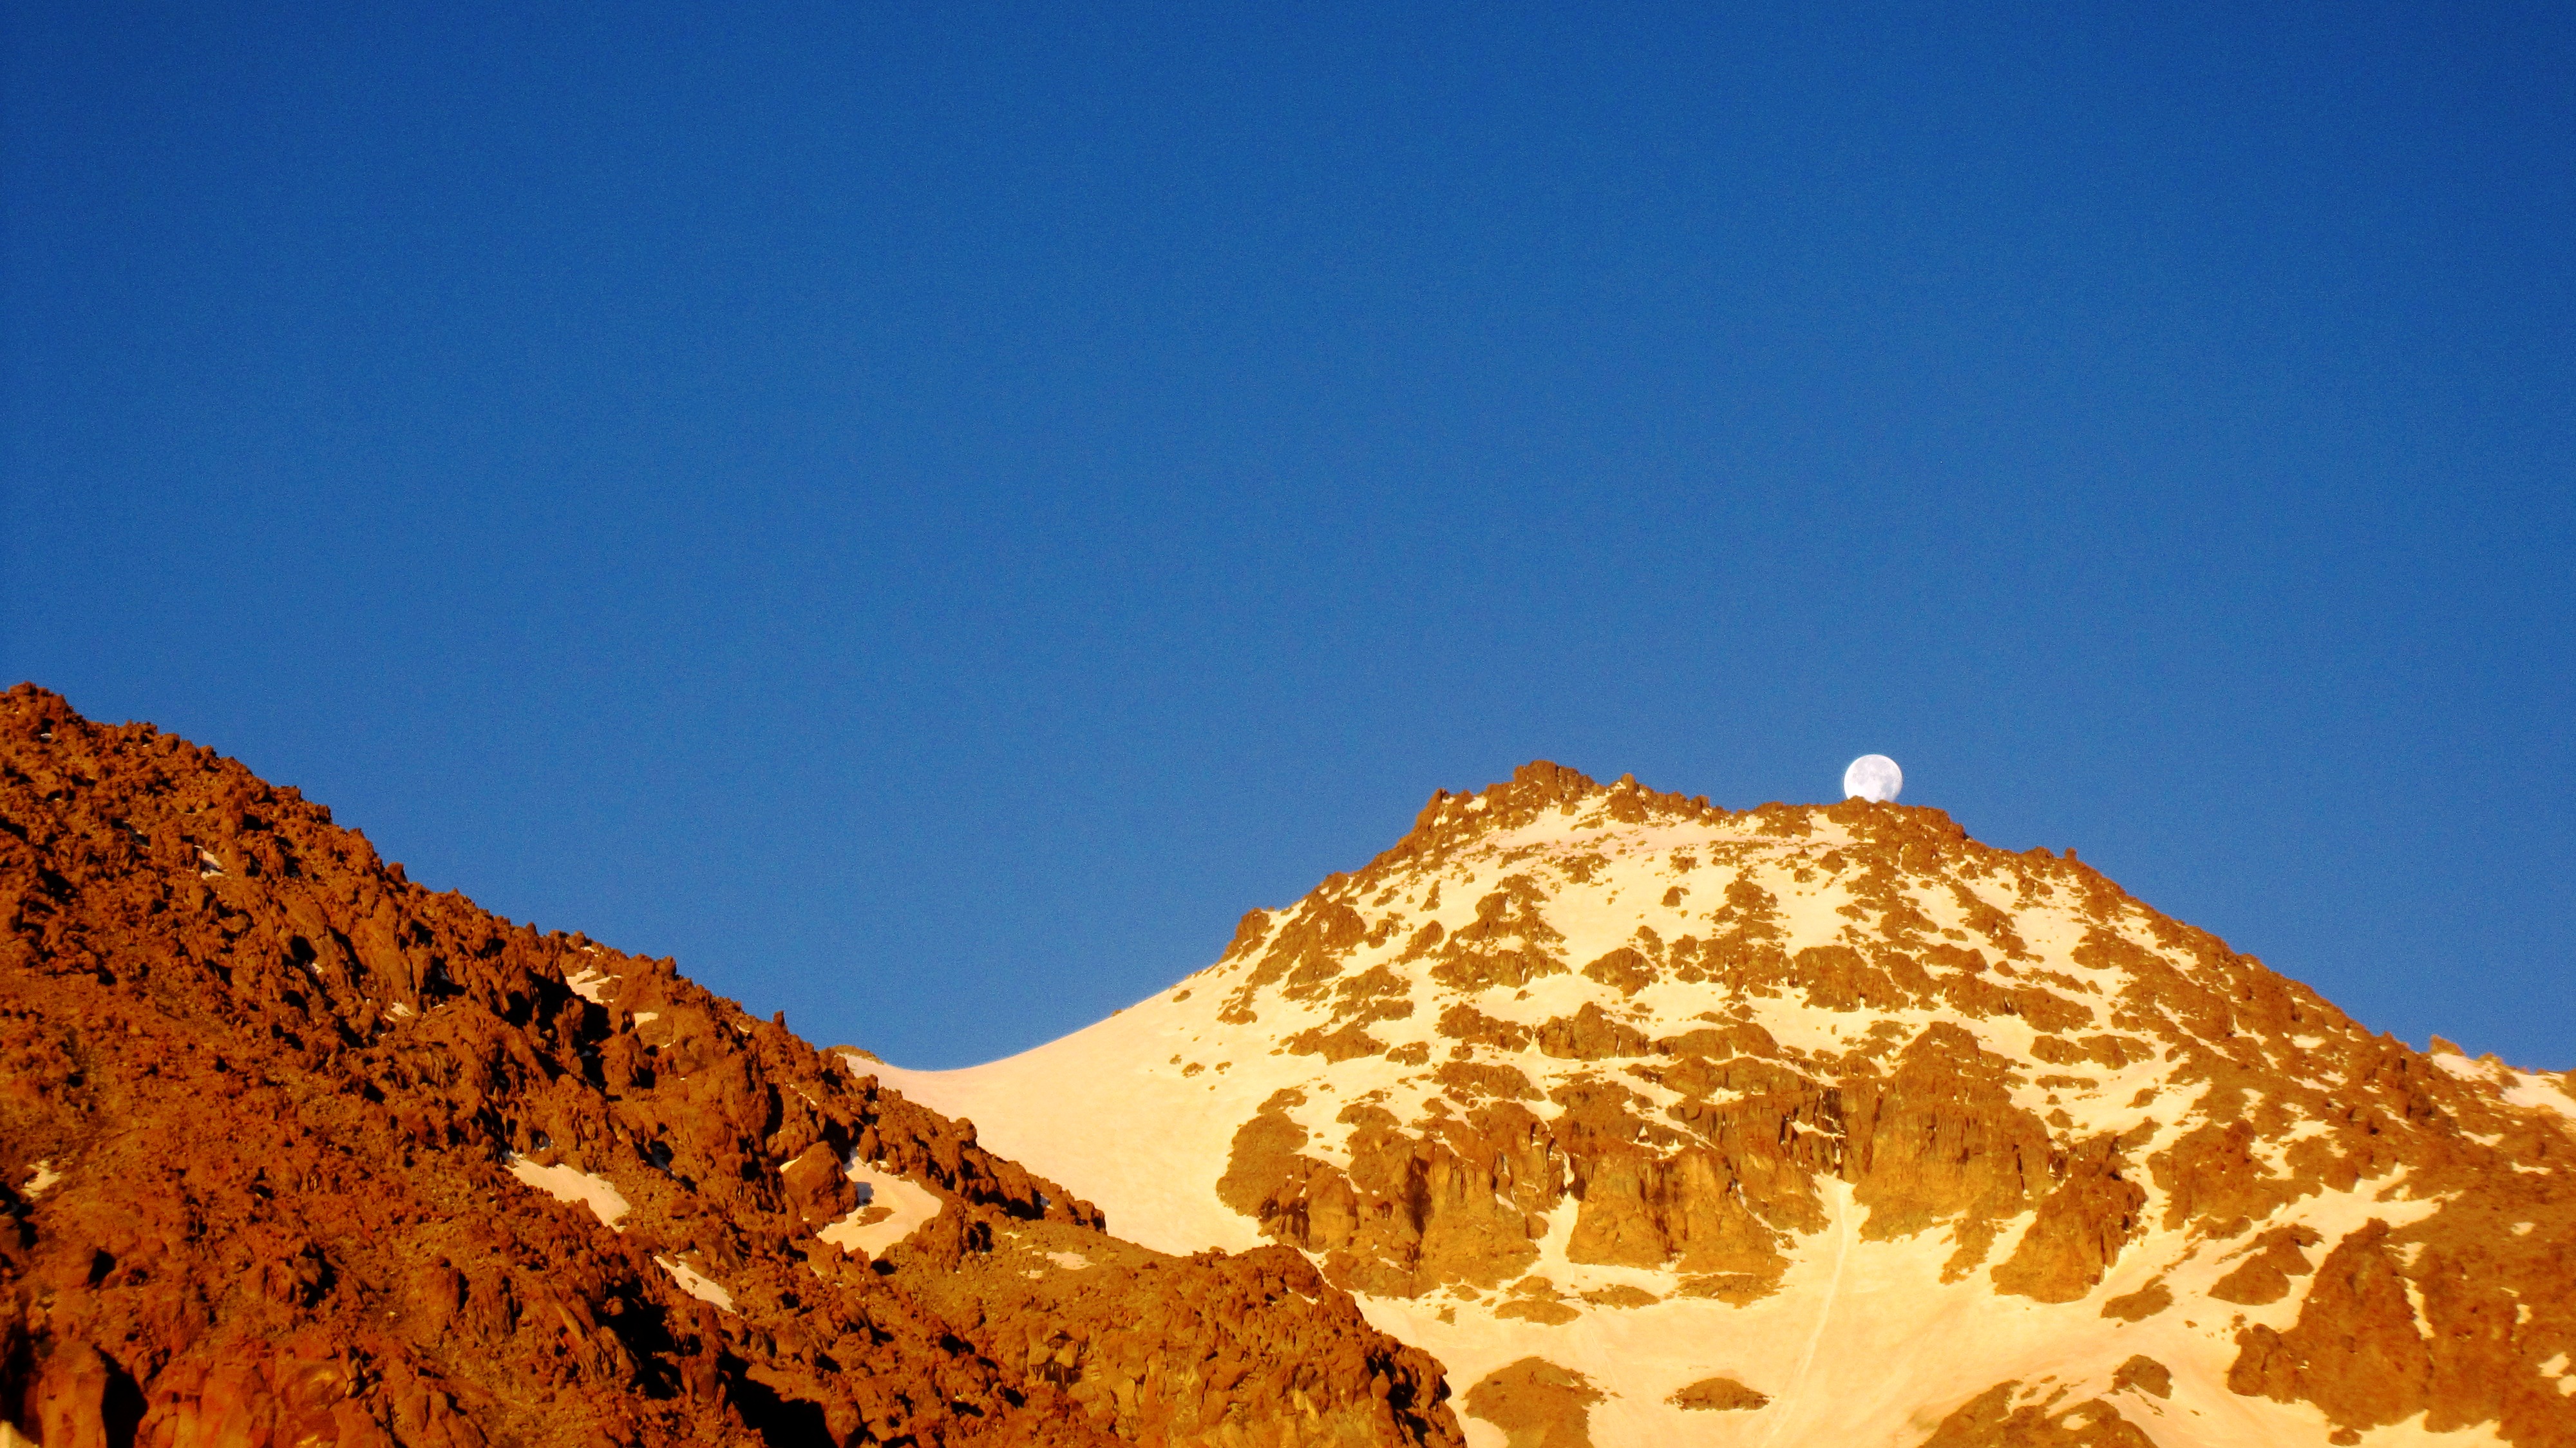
pixel 567 1183
pixel 591 984
pixel 2463 1068
pixel 45 1176
pixel 697 1285
pixel 2540 1092
pixel 890 1209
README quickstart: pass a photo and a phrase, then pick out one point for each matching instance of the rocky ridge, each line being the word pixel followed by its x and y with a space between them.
pixel 295 1152
pixel 1662 1123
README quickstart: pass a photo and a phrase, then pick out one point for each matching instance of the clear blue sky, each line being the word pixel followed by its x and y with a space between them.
pixel 927 513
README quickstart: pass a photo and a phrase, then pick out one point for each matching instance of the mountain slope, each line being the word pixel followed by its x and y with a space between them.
pixel 295 1152
pixel 1663 1124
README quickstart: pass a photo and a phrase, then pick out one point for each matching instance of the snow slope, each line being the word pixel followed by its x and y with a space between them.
pixel 1582 933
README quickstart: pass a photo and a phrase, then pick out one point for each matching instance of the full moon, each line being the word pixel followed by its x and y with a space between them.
pixel 1873 777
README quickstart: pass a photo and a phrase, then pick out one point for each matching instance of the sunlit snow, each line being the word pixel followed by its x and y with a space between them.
pixel 889 1210
pixel 568 1183
pixel 701 1287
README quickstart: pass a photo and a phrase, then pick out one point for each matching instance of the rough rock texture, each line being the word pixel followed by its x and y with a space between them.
pixel 1641 1089
pixel 295 1152
pixel 1537 1404
pixel 2001 1417
pixel 1718 1395
pixel 2144 1374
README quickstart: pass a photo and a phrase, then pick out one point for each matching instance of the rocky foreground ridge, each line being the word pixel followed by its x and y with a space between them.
pixel 1660 1123
pixel 294 1152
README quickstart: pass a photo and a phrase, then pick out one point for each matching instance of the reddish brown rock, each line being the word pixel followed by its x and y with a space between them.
pixel 2140 1305
pixel 1537 1404
pixel 1625 969
pixel 2080 1227
pixel 2144 1374
pixel 2357 1350
pixel 1591 1035
pixel 2271 1260
pixel 277 1091
pixel 1468 1196
pixel 1938 1140
pixel 1992 1419
pixel 1718 1395
pixel 1508 943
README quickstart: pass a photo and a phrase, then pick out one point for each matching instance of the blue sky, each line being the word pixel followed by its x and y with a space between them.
pixel 928 513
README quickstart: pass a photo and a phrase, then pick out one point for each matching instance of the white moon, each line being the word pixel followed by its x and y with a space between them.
pixel 1873 777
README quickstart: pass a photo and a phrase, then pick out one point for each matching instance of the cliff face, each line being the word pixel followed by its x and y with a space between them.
pixel 1661 1123
pixel 293 1151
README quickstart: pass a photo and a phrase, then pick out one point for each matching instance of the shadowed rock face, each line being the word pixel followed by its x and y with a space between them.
pixel 295 1152
pixel 1572 1059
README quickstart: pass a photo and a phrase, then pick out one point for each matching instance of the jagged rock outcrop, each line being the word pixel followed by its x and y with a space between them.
pixel 2011 1415
pixel 295 1152
pixel 1576 1067
pixel 1536 1404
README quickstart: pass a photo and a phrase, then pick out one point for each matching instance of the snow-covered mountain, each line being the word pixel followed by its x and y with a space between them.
pixel 1662 1124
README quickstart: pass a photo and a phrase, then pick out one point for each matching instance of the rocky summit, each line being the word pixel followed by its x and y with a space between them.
pixel 294 1152
pixel 1657 1123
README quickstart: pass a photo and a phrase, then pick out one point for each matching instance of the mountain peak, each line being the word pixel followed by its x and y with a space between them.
pixel 1575 1068
pixel 1541 789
